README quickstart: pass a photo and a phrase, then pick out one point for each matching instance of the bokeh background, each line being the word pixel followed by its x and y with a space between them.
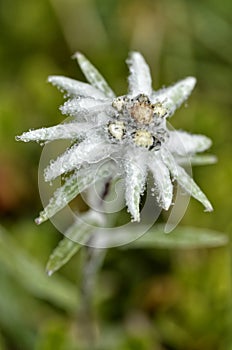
pixel 145 298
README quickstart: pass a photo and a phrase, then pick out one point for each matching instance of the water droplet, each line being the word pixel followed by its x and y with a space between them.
pixel 38 220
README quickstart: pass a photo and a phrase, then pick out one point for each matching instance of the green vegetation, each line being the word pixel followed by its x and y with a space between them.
pixel 145 298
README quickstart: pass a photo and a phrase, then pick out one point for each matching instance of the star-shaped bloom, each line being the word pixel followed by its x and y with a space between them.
pixel 130 129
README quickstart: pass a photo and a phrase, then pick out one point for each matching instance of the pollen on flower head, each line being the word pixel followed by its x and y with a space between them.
pixel 143 138
pixel 142 112
pixel 118 104
pixel 159 110
pixel 140 109
pixel 117 129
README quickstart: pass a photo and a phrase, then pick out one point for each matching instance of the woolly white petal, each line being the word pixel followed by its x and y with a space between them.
pixel 140 77
pixel 93 76
pixel 135 177
pixel 183 143
pixel 74 87
pixel 162 182
pixel 86 106
pixel 185 181
pixel 61 131
pixel 88 151
pixel 169 161
pixel 173 96
pixel 74 185
pixel 197 160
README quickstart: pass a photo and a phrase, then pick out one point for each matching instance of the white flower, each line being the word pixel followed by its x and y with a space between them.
pixel 131 129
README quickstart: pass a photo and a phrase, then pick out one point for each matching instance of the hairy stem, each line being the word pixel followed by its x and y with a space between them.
pixel 93 259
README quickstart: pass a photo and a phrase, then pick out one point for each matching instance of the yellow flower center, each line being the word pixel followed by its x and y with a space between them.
pixel 116 129
pixel 143 138
pixel 142 112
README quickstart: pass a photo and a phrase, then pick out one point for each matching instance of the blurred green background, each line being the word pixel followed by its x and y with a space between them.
pixel 145 298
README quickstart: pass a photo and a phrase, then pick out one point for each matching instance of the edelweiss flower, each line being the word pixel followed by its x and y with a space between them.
pixel 130 129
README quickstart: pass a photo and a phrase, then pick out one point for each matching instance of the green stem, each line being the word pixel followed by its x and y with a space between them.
pixel 93 259
pixel 92 262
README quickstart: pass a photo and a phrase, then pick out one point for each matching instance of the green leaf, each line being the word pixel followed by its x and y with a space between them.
pixel 27 271
pixel 93 76
pixel 182 237
pixel 80 231
pixel 18 325
pixel 61 255
pixel 2 343
pixel 54 335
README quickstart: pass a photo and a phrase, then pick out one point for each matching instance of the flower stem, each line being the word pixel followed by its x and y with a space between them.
pixel 93 259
